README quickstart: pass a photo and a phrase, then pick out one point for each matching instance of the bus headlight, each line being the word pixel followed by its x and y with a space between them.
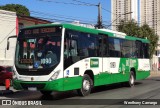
pixel 55 75
pixel 14 75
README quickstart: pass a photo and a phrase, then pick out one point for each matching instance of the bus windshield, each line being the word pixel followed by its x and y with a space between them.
pixel 38 49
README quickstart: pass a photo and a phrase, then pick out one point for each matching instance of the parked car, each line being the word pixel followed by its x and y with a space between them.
pixel 5 73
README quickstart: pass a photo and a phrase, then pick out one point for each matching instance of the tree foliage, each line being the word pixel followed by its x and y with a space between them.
pixel 19 9
pixel 131 28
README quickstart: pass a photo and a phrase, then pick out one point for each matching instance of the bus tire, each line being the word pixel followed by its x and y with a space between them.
pixel 87 84
pixel 46 92
pixel 131 81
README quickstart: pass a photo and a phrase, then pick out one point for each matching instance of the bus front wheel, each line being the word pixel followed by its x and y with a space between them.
pixel 86 86
pixel 131 81
pixel 46 92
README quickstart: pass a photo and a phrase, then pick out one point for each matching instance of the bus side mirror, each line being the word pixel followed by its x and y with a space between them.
pixel 8 44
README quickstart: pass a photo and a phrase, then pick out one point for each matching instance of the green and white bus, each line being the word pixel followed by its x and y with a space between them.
pixel 61 57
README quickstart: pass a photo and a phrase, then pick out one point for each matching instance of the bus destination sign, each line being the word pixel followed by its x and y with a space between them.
pixel 39 31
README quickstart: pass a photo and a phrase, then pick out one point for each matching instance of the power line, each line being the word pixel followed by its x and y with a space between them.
pixel 63 20
pixel 42 13
pixel 94 5
pixel 85 3
pixel 68 3
pixel 71 18
pixel 81 3
pixel 59 20
pixel 60 16
pixel 108 11
pixel 118 18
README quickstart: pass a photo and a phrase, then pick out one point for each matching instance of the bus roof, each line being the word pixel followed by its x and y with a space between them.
pixel 92 30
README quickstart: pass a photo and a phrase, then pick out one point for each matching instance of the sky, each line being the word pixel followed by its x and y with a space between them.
pixel 68 10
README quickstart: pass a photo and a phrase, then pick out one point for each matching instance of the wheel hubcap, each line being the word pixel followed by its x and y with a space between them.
pixel 86 85
pixel 132 80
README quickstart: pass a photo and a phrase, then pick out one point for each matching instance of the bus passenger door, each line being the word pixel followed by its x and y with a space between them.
pixel 71 69
pixel 104 54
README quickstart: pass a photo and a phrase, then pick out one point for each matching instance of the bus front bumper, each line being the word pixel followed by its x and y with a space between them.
pixel 56 85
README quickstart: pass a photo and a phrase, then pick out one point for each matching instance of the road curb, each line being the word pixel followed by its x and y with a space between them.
pixel 3 92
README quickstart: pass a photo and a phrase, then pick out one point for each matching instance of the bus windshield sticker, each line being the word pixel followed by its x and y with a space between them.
pixel 25 44
pixel 26 61
pixel 36 64
pixel 39 54
pixel 31 40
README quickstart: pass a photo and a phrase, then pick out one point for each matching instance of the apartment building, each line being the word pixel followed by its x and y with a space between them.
pixel 150 14
pixel 120 7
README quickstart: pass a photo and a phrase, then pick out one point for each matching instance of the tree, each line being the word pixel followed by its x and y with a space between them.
pixel 131 28
pixel 146 31
pixel 19 9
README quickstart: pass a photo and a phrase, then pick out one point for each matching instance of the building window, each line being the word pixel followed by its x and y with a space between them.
pixel 21 25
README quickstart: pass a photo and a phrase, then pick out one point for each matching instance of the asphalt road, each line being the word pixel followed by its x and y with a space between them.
pixel 144 89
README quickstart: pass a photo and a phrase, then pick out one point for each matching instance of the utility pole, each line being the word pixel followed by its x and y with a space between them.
pixel 99 22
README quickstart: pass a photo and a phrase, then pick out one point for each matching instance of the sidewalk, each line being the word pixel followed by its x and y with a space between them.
pixel 155 74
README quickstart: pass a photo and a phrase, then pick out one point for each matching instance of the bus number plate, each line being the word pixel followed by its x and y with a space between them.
pixel 32 88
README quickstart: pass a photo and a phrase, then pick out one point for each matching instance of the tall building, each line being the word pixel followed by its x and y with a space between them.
pixel 120 7
pixel 150 14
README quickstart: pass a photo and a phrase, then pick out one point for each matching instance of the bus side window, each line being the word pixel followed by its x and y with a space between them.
pixel 100 47
pixel 66 48
pixel 103 46
pixel 139 48
pixel 145 50
pixel 134 53
pixel 114 47
pixel 73 48
pixel 70 46
pixel 129 49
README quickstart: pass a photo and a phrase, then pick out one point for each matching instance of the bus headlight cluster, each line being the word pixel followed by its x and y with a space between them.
pixel 14 75
pixel 55 75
